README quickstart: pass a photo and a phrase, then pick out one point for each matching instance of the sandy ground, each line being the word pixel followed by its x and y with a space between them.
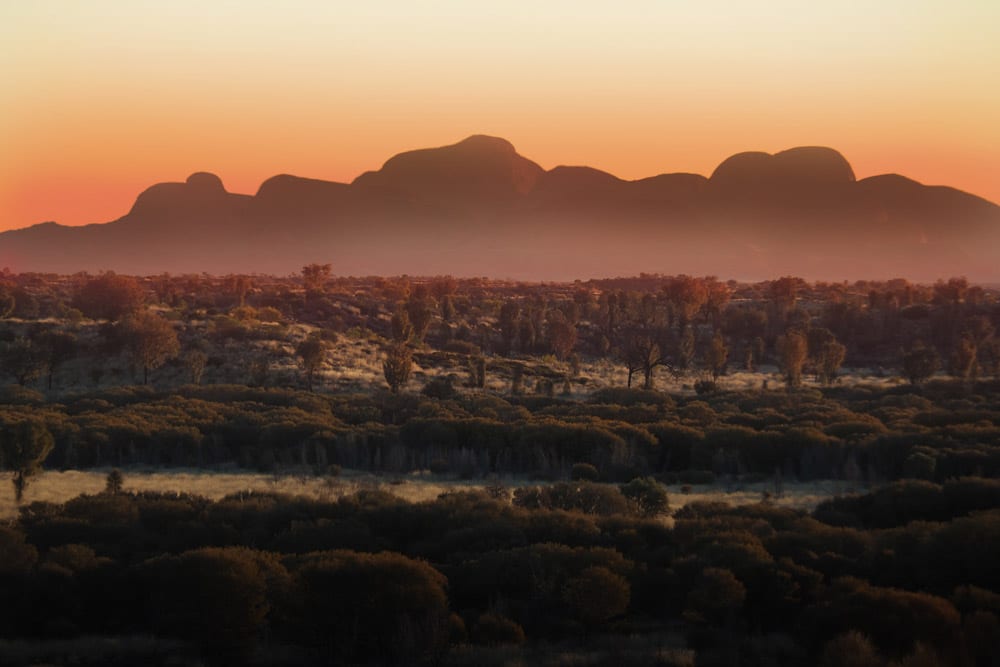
pixel 60 486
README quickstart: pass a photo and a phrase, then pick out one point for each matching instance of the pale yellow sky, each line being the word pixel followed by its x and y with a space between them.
pixel 100 99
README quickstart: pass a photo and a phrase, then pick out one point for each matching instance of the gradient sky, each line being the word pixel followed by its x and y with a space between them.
pixel 100 99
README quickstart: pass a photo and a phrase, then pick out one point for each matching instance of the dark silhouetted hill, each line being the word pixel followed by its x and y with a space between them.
pixel 479 208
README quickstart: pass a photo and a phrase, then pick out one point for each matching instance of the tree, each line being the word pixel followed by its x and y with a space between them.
pixel 24 447
pixel 851 649
pixel 964 363
pixel 561 333
pixel 149 341
pixel 311 351
pixel 920 363
pixel 508 325
pixel 647 495
pixel 792 352
pixel 114 482
pixel 239 286
pixel 314 277
pixel 217 597
pixel 828 360
pixel 991 356
pixel 109 296
pixel 195 360
pixel 686 296
pixel 477 372
pixel 717 598
pixel 364 608
pixel 685 349
pixel 495 630
pixel 7 300
pixel 402 329
pixel 420 313
pixel 716 356
pixel 952 292
pixel 596 595
pixel 23 359
pixel 643 337
pixel 526 334
pixel 397 365
pixel 57 347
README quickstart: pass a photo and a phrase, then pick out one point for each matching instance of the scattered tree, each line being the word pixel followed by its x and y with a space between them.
pixel 829 358
pixel 561 334
pixel 195 360
pixel 315 277
pixel 792 352
pixel 57 347
pixel 23 359
pixel 964 364
pixel 420 314
pixel 596 595
pixel 716 356
pixel 24 447
pixel 397 366
pixel 311 352
pixel 114 482
pixel 110 297
pixel 647 495
pixel 149 341
pixel 920 363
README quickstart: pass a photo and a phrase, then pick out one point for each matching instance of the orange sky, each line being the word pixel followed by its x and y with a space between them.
pixel 102 99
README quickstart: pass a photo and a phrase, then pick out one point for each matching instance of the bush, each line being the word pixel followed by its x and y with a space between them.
pixel 696 477
pixel 584 472
pixel 596 595
pixel 496 630
pixel 586 497
pixel 441 387
pixel 648 496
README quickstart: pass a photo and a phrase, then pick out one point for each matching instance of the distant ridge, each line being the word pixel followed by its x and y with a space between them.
pixel 479 208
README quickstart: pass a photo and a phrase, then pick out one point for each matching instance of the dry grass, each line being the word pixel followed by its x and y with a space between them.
pixel 60 486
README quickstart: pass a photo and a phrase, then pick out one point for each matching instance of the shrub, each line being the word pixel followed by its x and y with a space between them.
pixel 584 472
pixel 441 387
pixel 496 630
pixel 647 495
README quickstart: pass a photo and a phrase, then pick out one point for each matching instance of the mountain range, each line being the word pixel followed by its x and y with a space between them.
pixel 478 208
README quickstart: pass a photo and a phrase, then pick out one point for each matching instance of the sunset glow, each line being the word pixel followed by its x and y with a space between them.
pixel 102 99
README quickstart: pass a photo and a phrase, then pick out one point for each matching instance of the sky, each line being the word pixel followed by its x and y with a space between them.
pixel 100 99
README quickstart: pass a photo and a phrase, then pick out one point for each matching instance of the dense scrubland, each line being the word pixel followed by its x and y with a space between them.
pixel 581 411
